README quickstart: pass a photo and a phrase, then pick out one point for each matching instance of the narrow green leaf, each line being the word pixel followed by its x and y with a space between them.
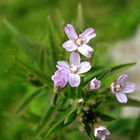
pixel 131 102
pixel 70 117
pixel 43 59
pixel 107 74
pixel 27 101
pixel 41 76
pixel 58 125
pixel 89 131
pixel 104 117
pixel 95 73
pixel 136 131
pixel 53 41
pixel 80 19
pixel 30 49
pixel 44 119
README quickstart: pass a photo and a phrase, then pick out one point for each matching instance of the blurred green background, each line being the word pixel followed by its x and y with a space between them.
pixel 113 20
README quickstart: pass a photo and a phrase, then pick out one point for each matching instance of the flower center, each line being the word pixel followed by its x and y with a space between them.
pixel 117 87
pixel 73 68
pixel 78 41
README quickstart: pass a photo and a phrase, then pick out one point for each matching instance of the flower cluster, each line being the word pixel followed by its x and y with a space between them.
pixel 70 72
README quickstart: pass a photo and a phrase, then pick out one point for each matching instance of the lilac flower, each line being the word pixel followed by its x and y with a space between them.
pixel 60 78
pixel 120 87
pixel 101 132
pixel 75 68
pixel 95 84
pixel 79 42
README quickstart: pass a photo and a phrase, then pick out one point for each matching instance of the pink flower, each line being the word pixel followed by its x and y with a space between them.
pixel 95 84
pixel 74 68
pixel 120 88
pixel 60 78
pixel 79 41
pixel 101 132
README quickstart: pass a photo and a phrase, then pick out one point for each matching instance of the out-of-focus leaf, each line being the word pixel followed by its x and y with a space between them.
pixel 89 131
pixel 58 125
pixel 80 19
pixel 53 41
pixel 44 120
pixel 27 101
pixel 70 117
pixel 104 117
pixel 43 59
pixel 136 131
pixel 41 76
pixel 131 102
pixel 30 49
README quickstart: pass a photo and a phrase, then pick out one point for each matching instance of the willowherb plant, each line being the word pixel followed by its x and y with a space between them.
pixel 70 73
pixel 81 91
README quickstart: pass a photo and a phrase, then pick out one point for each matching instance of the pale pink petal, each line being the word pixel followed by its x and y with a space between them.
pixel 128 87
pixel 70 31
pixel 84 51
pixel 62 65
pixel 112 87
pixel 87 35
pixel 88 48
pixel 121 97
pixel 69 45
pixel 74 80
pixel 84 67
pixel 122 79
pixel 75 59
pixel 103 137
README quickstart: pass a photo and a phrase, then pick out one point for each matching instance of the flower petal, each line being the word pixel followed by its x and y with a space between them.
pixel 87 35
pixel 62 65
pixel 112 87
pixel 129 87
pixel 70 32
pixel 69 45
pixel 84 67
pixel 75 59
pixel 88 48
pixel 74 80
pixel 83 50
pixel 60 78
pixel 122 79
pixel 121 97
pixel 103 137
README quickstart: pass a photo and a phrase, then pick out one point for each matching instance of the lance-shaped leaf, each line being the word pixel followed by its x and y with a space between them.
pixel 27 101
pixel 89 131
pixel 80 19
pixel 131 102
pixel 111 75
pixel 108 74
pixel 70 117
pixel 104 117
pixel 37 73
pixel 30 49
pixel 53 41
pixel 58 125
pixel 136 130
pixel 46 117
pixel 94 73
